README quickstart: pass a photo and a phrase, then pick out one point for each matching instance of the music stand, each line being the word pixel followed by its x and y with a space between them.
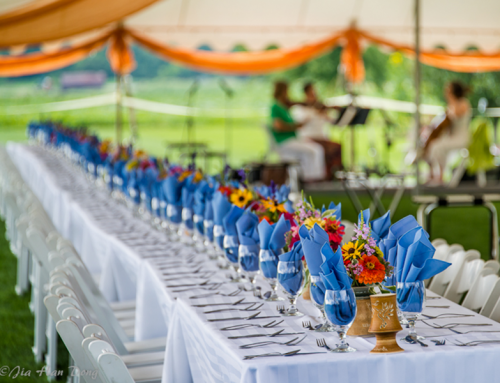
pixel 352 116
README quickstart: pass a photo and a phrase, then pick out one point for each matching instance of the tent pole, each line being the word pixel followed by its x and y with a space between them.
pixel 119 109
pixel 417 86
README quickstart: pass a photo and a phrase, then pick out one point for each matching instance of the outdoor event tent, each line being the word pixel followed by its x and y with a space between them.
pixel 69 30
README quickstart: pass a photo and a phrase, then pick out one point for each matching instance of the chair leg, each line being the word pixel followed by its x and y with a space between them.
pixel 40 341
pixel 22 271
pixel 51 357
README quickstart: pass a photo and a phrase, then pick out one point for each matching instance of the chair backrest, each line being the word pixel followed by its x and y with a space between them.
pixel 481 289
pixel 464 279
pixel 491 301
pixel 442 251
pixel 492 264
pixel 440 282
pixel 438 242
pixel 110 365
pixel 72 339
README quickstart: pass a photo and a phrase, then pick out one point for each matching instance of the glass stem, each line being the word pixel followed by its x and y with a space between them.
pixel 411 324
pixel 292 299
pixel 342 336
pixel 274 288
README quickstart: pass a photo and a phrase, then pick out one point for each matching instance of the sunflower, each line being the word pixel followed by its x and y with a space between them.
pixel 185 174
pixel 352 250
pixel 241 197
pixel 309 222
pixel 132 164
pixel 373 270
pixel 273 206
pixel 197 177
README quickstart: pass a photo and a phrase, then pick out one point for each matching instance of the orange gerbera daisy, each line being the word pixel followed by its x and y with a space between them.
pixel 373 270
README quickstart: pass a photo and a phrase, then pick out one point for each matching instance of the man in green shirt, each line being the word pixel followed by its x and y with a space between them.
pixel 290 147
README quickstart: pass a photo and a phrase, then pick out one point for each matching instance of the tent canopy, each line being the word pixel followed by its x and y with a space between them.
pixel 257 24
pixel 302 29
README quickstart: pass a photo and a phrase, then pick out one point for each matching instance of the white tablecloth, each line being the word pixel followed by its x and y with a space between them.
pixel 133 259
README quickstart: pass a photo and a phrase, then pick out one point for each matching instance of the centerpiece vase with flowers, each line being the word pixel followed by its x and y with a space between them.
pixel 365 264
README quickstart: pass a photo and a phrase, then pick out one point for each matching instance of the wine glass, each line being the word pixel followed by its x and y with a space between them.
pixel 291 277
pixel 411 301
pixel 219 246
pixel 268 262
pixel 317 290
pixel 208 227
pixel 340 309
pixel 248 258
pixel 231 245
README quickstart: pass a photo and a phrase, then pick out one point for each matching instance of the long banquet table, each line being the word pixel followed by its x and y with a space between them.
pixel 132 259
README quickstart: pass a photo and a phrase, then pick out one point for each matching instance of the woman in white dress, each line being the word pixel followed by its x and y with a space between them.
pixel 456 137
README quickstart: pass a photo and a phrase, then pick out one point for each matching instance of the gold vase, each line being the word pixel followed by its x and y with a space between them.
pixel 385 323
pixel 363 318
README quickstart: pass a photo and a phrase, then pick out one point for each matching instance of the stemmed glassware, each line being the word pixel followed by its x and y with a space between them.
pixel 248 258
pixel 291 277
pixel 411 301
pixel 268 262
pixel 320 305
pixel 340 309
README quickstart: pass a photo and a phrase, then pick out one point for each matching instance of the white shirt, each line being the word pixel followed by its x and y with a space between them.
pixel 316 125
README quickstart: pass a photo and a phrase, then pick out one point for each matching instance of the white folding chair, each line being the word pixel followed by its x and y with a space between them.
pixel 438 242
pixel 493 265
pixel 348 231
pixel 480 290
pixel 464 280
pixel 440 282
pixel 491 301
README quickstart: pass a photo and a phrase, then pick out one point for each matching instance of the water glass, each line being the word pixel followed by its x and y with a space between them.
pixel 291 278
pixel 411 301
pixel 268 262
pixel 340 309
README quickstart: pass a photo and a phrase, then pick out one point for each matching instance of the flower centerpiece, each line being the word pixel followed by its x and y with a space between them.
pixel 366 266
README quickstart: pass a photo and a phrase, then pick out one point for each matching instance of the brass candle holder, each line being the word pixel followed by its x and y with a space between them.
pixel 385 323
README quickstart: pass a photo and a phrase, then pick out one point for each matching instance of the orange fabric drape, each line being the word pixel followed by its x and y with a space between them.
pixel 238 62
pixel 351 57
pixel 49 20
pixel 39 62
pixel 458 62
pixel 120 55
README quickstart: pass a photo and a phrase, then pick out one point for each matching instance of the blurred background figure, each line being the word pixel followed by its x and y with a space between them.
pixel 290 146
pixel 451 133
pixel 314 114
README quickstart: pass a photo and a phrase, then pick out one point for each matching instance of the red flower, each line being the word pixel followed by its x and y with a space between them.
pixel 290 217
pixel 225 190
pixel 373 270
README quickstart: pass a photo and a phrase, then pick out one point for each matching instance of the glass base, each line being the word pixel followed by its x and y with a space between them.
pixel 274 298
pixel 325 328
pixel 292 314
pixel 343 349
pixel 237 280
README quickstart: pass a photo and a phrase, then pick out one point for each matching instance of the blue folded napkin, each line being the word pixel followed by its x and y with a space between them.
pixel 335 210
pixel 312 241
pixel 379 227
pixel 340 310
pixel 272 241
pixel 172 188
pixel 414 257
pixel 290 270
pixel 208 220
pixel 333 272
pixel 231 242
pixel 187 199
pixel 388 245
pixel 202 196
pixel 249 241
pixel 415 264
pixel 221 207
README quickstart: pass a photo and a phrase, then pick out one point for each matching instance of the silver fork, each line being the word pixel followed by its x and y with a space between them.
pixel 215 286
pixel 290 353
pixel 254 316
pixel 249 308
pixel 246 325
pixel 222 304
pixel 446 315
pixel 232 294
pixel 450 326
pixel 281 309
pixel 475 343
pixel 322 343
pixel 291 342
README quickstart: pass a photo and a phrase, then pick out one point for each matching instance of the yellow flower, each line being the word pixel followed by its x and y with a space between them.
pixel 273 206
pixel 132 164
pixel 185 174
pixel 241 197
pixel 352 250
pixel 197 177
pixel 309 222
